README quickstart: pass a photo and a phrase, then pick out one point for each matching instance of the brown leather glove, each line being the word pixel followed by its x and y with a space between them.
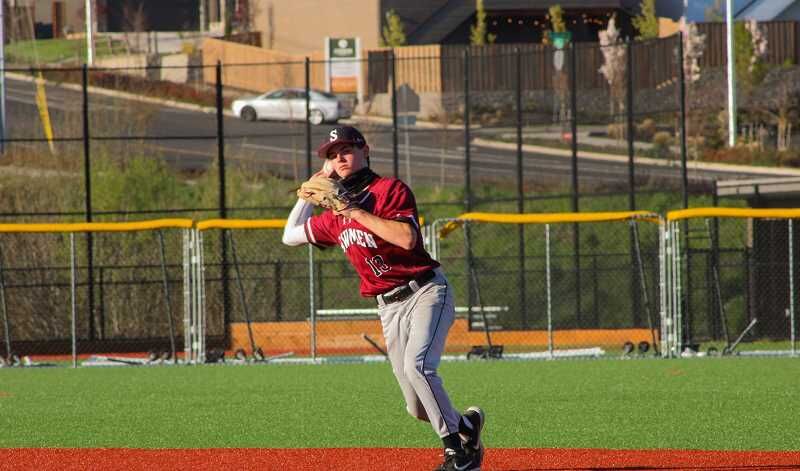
pixel 325 192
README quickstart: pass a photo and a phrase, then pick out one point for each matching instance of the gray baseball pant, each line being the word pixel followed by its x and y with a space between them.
pixel 415 331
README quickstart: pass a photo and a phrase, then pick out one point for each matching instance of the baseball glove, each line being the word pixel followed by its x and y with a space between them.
pixel 325 192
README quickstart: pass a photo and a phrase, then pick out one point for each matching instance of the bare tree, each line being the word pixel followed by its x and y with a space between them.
pixel 134 21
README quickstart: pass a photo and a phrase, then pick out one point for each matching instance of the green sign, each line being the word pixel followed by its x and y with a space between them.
pixel 342 48
pixel 560 39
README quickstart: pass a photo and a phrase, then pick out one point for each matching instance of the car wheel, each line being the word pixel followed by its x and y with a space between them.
pixel 249 114
pixel 316 117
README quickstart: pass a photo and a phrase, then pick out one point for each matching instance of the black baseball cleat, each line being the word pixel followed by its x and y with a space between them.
pixel 459 460
pixel 472 437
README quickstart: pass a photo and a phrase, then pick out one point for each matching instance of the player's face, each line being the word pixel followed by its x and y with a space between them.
pixel 347 159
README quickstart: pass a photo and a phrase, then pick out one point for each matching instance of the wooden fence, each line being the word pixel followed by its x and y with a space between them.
pixel 256 69
pixel 783 42
pixel 494 67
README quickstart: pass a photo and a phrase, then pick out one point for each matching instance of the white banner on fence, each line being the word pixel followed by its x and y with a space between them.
pixel 343 65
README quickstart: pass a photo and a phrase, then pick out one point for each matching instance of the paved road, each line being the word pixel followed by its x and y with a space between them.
pixel 187 140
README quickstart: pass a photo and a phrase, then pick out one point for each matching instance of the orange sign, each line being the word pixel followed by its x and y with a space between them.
pixel 344 85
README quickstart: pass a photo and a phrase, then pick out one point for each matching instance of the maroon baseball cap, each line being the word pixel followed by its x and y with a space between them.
pixel 341 135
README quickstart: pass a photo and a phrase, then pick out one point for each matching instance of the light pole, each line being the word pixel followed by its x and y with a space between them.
pixel 89 33
pixel 731 75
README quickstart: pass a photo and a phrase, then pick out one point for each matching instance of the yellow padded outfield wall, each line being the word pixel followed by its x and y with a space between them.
pixel 100 226
pixel 241 224
pixel 790 213
pixel 546 218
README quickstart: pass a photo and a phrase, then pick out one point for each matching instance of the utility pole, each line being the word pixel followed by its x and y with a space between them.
pixel 89 33
pixel 731 76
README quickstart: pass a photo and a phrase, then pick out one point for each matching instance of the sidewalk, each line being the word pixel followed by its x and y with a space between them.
pixel 674 163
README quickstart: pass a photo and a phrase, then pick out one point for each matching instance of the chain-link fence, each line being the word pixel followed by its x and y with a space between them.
pixel 539 293
pixel 523 128
pixel 135 303
pixel 733 281
pixel 256 289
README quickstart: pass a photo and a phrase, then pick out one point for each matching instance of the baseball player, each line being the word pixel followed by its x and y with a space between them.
pixel 374 220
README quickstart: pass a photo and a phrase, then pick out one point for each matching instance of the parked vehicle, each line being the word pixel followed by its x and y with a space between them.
pixel 290 104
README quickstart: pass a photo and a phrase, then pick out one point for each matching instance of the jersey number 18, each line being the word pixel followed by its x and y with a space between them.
pixel 379 267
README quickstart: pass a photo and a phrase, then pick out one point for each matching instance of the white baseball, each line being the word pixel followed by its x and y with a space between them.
pixel 327 168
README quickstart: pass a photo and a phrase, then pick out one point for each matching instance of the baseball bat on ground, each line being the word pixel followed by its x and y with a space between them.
pixel 374 345
pixel 257 353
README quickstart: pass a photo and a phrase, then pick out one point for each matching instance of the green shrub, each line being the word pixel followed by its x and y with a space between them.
pixel 662 140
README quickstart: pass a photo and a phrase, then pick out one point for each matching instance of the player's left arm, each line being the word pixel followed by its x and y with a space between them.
pixel 397 232
pixel 394 218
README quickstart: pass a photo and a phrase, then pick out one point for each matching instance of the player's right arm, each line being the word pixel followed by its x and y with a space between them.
pixel 294 232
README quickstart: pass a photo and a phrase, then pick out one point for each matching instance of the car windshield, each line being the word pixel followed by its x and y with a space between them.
pixel 276 94
pixel 324 94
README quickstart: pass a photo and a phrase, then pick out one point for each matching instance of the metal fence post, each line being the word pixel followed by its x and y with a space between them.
pixel 74 299
pixel 395 153
pixel 87 175
pixel 523 304
pixel 682 108
pixel 791 289
pixel 549 293
pixel 278 277
pixel 631 131
pixel 223 209
pixel 4 304
pixel 308 118
pixel 685 189
pixel 467 156
pixel 311 302
pixel 635 295
pixel 468 189
pixel 220 141
pixel 573 85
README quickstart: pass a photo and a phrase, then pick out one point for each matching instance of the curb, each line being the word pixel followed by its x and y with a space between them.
pixel 356 118
pixel 125 95
pixel 732 168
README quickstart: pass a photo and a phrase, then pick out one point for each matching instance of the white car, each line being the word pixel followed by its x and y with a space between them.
pixel 290 104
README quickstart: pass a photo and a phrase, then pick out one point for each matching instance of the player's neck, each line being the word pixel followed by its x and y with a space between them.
pixel 357 181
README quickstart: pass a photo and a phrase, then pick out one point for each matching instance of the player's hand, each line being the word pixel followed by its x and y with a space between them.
pixel 351 212
pixel 328 171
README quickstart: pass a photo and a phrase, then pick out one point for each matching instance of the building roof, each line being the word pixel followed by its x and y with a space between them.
pixel 764 10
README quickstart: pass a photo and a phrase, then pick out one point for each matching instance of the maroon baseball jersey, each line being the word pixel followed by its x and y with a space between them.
pixel 380 264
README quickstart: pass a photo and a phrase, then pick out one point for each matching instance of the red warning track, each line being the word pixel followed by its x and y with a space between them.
pixel 356 459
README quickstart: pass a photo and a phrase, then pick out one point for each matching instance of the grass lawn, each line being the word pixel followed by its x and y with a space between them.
pixel 45 51
pixel 729 403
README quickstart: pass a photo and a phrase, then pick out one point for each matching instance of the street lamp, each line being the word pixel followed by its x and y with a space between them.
pixel 89 33
pixel 731 76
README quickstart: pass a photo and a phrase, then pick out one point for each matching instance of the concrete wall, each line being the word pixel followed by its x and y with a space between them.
pixel 300 27
pixel 136 61
pixel 180 73
pixel 259 69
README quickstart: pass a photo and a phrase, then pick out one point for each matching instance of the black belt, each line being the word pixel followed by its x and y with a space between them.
pixel 398 294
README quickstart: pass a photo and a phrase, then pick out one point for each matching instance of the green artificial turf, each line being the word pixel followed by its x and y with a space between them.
pixel 729 403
